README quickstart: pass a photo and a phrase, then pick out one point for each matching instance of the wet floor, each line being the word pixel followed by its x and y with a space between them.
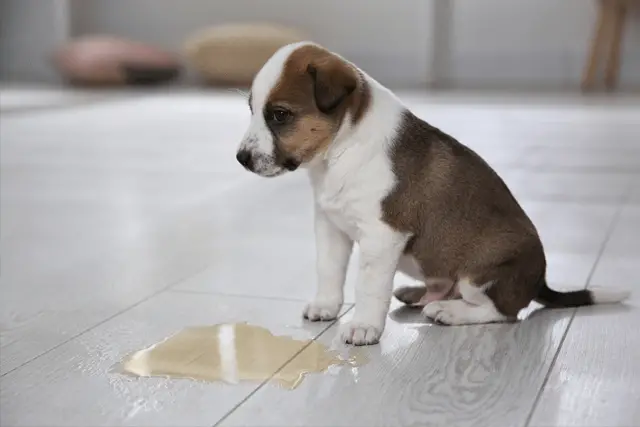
pixel 234 352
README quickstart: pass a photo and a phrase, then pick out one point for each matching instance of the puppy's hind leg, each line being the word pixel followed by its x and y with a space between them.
pixel 433 289
pixel 410 294
pixel 475 307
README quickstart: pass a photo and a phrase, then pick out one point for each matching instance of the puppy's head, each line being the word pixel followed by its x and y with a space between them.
pixel 299 101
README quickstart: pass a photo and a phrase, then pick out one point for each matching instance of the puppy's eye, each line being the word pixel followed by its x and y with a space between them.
pixel 278 116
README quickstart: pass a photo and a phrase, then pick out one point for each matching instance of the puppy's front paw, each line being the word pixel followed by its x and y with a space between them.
pixel 360 333
pixel 321 311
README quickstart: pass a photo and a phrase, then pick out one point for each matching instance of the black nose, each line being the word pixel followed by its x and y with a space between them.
pixel 290 164
pixel 244 158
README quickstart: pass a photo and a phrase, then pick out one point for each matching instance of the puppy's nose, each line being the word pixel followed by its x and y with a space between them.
pixel 290 164
pixel 244 158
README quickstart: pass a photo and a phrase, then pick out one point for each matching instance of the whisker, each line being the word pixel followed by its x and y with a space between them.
pixel 241 92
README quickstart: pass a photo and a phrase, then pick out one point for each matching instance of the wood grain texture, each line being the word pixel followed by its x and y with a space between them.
pixel 73 385
pixel 596 378
pixel 423 375
pixel 102 207
pixel 95 219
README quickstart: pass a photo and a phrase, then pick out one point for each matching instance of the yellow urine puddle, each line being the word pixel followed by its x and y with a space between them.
pixel 234 352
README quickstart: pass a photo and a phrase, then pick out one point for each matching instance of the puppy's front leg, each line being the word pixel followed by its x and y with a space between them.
pixel 380 251
pixel 333 249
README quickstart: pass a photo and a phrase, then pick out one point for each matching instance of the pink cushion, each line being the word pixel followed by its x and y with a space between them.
pixel 106 60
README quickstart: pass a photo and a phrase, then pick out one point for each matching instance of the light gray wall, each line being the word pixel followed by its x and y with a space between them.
pixel 29 32
pixel 531 42
pixel 472 43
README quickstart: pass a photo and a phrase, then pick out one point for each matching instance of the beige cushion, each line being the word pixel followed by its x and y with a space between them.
pixel 106 60
pixel 233 54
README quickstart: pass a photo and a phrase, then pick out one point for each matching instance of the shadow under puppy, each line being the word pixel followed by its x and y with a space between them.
pixel 413 198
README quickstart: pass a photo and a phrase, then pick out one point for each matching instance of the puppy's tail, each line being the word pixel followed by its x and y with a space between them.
pixel 579 298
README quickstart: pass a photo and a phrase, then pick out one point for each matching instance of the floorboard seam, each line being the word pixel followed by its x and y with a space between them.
pixel 261 385
pixel 124 310
pixel 612 225
pixel 234 295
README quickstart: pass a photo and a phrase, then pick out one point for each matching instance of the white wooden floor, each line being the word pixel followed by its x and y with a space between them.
pixel 124 221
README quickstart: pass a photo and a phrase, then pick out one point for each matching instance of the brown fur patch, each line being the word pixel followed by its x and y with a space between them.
pixel 464 219
pixel 319 88
pixel 310 135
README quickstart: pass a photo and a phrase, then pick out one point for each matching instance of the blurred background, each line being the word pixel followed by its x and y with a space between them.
pixel 488 44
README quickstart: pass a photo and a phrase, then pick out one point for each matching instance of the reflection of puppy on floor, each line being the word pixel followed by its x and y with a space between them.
pixel 413 198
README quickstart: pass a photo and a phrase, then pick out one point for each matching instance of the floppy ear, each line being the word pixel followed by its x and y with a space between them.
pixel 333 82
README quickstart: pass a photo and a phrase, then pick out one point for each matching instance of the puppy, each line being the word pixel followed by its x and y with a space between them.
pixel 413 198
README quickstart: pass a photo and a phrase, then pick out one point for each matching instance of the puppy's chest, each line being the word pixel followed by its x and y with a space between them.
pixel 348 205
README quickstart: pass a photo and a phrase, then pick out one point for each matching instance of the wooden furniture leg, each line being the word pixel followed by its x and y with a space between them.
pixel 612 69
pixel 598 43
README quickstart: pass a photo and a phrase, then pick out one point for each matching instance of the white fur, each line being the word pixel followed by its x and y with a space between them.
pixel 349 182
pixel 332 259
pixel 608 296
pixel 474 307
pixel 459 312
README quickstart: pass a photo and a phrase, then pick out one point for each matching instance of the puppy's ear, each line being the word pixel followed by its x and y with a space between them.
pixel 333 82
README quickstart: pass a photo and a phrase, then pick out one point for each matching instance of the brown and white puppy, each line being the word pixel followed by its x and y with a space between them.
pixel 411 196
